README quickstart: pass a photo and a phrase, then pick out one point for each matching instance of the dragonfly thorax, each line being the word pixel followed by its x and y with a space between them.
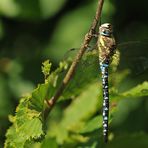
pixel 106 46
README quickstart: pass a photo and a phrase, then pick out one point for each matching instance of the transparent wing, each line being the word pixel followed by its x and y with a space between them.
pixel 133 56
pixel 85 73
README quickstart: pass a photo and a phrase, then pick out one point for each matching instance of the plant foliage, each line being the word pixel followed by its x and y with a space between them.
pixel 80 119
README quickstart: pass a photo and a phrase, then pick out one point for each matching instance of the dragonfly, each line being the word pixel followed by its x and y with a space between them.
pixel 108 52
pixel 106 49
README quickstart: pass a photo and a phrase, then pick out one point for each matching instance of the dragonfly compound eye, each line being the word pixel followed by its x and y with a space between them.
pixel 106 32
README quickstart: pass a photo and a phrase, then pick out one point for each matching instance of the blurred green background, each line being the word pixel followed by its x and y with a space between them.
pixel 34 30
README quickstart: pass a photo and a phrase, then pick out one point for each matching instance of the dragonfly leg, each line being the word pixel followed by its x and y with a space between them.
pixel 95 35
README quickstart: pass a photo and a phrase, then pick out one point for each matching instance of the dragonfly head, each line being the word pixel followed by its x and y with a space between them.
pixel 106 30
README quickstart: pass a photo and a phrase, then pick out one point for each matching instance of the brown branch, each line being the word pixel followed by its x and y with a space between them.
pixel 72 68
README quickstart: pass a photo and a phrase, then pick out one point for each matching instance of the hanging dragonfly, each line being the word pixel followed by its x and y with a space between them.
pixel 106 47
pixel 107 55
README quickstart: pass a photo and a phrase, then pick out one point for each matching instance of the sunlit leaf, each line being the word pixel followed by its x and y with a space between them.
pixel 138 91
pixel 14 140
pixel 81 108
pixel 39 95
pixel 9 8
pixel 92 125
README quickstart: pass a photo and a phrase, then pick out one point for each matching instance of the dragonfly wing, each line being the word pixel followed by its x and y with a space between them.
pixel 134 56
pixel 89 58
pixel 86 71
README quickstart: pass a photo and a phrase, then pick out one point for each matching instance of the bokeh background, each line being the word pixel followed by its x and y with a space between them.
pixel 32 31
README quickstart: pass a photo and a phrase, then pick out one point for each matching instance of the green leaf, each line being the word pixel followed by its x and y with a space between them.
pixel 39 95
pixel 9 8
pixel 49 143
pixel 81 108
pixel 76 114
pixel 138 91
pixel 73 34
pixel 26 117
pixel 28 122
pixel 92 125
pixel 27 125
pixel 35 129
pixel 49 7
pixel 14 140
pixel 46 68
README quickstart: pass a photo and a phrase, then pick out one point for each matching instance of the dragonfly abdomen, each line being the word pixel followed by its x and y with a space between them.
pixel 104 71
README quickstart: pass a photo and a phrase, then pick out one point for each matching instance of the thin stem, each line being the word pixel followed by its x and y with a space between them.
pixel 73 66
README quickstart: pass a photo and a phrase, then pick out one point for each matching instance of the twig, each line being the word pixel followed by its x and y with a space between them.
pixel 72 68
